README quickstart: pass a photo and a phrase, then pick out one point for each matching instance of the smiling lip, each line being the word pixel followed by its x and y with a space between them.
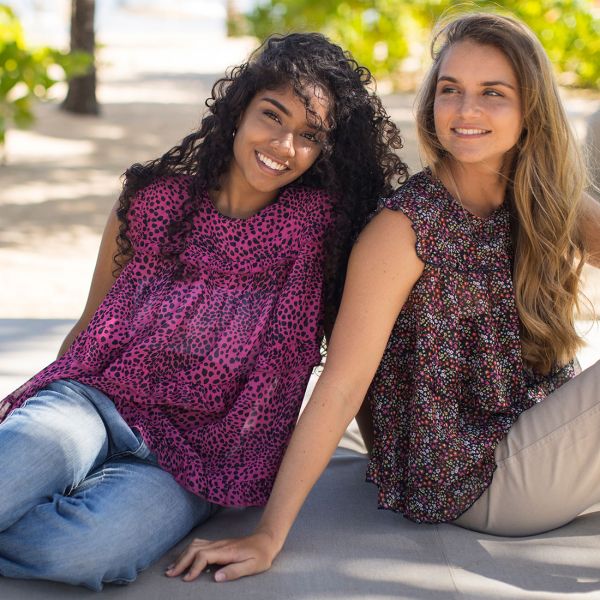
pixel 469 131
pixel 270 164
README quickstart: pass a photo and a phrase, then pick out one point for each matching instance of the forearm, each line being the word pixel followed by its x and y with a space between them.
pixel 102 280
pixel 315 438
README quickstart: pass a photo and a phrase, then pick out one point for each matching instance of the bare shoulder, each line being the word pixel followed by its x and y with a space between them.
pixel 390 233
pixel 382 270
pixel 384 265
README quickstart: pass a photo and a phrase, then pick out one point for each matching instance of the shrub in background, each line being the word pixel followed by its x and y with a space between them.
pixel 381 34
pixel 27 74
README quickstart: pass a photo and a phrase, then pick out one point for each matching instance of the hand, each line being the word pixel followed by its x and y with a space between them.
pixel 242 556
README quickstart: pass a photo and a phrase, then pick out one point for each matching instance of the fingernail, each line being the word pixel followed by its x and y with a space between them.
pixel 220 576
pixel 170 567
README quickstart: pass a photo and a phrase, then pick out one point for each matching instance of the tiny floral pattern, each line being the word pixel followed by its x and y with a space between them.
pixel 210 366
pixel 452 380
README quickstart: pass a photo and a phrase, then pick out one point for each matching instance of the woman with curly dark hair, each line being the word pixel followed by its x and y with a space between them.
pixel 177 390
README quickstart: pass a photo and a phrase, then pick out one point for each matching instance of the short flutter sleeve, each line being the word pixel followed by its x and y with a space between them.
pixel 446 235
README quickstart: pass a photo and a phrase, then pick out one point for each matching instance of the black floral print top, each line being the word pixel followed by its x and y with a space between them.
pixel 452 380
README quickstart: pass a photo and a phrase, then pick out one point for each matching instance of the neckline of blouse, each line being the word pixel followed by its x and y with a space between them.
pixel 276 202
pixel 459 209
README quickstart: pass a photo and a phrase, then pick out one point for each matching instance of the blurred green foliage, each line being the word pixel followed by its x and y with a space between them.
pixel 381 34
pixel 27 74
pixel 372 31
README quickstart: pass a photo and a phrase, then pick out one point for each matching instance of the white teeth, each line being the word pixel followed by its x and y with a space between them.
pixel 469 131
pixel 270 163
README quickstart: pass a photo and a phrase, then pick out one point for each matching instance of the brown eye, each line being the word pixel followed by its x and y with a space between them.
pixel 448 89
pixel 273 116
pixel 312 137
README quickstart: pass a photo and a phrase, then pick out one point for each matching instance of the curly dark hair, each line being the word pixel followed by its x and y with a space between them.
pixel 357 164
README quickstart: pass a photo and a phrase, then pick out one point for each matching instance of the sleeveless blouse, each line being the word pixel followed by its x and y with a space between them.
pixel 452 380
pixel 211 365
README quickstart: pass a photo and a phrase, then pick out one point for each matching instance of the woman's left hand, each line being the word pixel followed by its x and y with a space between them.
pixel 242 557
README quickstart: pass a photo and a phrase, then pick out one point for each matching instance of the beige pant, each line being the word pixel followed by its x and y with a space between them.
pixel 548 465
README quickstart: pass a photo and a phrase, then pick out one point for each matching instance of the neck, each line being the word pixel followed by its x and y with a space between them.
pixel 480 190
pixel 239 200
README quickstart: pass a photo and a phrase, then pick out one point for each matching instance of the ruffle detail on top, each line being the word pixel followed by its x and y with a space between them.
pixel 220 244
pixel 448 235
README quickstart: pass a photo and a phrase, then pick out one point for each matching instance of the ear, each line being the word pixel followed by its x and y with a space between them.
pixel 238 121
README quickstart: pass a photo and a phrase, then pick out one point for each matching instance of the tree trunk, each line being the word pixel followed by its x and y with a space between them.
pixel 81 97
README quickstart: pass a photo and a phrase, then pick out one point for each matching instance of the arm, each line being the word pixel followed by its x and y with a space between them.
pixel 102 279
pixel 382 270
pixel 590 229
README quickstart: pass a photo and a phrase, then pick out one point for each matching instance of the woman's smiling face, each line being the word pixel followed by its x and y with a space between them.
pixel 277 140
pixel 477 106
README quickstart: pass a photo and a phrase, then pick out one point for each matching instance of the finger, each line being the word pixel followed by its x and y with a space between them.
pixel 199 564
pixel 203 558
pixel 234 571
pixel 186 558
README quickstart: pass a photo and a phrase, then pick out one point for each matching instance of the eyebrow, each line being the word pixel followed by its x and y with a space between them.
pixel 285 111
pixel 483 83
pixel 278 105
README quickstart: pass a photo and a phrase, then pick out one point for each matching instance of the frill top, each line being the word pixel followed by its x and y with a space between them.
pixel 209 362
pixel 452 380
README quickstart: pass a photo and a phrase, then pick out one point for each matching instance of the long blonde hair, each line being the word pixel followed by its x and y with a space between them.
pixel 545 183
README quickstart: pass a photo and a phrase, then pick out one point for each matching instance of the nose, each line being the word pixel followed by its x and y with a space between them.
pixel 284 144
pixel 469 104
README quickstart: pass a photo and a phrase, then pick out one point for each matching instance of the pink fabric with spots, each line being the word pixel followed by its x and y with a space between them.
pixel 211 368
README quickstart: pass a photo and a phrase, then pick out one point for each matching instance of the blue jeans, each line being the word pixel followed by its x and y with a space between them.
pixel 82 499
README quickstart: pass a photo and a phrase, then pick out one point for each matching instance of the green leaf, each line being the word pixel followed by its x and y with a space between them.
pixel 568 29
pixel 25 72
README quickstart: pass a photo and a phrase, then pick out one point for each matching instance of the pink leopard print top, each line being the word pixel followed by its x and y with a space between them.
pixel 210 367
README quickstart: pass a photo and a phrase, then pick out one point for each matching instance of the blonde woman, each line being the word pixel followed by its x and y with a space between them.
pixel 457 317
